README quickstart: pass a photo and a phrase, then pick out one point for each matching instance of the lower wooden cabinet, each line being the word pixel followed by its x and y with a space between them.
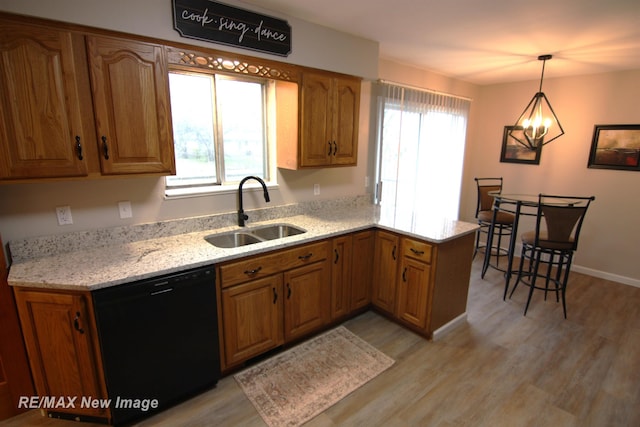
pixel 341 267
pixel 64 353
pixel 422 285
pixel 252 318
pixel 414 283
pixel 271 299
pixel 306 300
pixel 385 270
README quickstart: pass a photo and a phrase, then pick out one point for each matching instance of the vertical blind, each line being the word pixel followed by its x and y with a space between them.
pixel 420 151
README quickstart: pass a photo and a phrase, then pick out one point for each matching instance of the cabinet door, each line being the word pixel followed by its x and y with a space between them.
pixel 307 299
pixel 413 292
pixel 252 318
pixel 341 277
pixel 15 375
pixel 316 132
pixel 362 269
pixel 131 102
pixel 346 121
pixel 61 342
pixel 42 102
pixel 385 267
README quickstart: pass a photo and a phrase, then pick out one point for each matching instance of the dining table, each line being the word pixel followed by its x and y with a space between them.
pixel 518 205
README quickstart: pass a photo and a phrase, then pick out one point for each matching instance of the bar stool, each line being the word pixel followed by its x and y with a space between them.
pixel 552 245
pixel 503 226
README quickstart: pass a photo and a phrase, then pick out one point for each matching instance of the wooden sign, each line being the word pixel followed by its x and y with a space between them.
pixel 219 23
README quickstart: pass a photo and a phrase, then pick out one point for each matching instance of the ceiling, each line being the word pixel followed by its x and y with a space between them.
pixel 486 41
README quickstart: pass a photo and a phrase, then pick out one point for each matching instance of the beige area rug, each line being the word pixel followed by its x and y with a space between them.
pixel 298 384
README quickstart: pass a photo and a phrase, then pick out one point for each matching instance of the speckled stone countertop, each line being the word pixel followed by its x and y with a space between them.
pixel 101 258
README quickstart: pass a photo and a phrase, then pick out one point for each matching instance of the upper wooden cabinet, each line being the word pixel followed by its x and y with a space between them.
pixel 328 111
pixel 329 120
pixel 130 85
pixel 44 126
pixel 49 127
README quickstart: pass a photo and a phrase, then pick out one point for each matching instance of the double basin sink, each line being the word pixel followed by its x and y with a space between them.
pixel 249 236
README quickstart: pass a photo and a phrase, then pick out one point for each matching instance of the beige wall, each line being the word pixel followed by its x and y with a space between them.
pixel 608 246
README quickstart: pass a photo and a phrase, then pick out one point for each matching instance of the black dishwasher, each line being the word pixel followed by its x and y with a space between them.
pixel 159 341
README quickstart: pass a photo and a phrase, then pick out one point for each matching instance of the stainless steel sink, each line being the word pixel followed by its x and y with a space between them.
pixel 249 236
pixel 232 239
pixel 276 231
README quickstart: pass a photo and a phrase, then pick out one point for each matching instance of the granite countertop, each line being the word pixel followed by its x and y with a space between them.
pixel 99 259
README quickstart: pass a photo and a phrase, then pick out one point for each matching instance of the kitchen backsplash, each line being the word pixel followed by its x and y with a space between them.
pixel 38 247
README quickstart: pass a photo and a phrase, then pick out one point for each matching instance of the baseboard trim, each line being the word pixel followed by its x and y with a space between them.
pixel 446 328
pixel 596 273
pixel 607 276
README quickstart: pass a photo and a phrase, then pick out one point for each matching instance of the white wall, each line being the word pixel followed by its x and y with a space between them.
pixel 28 209
pixel 312 45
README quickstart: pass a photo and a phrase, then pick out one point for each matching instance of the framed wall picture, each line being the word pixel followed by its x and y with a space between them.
pixel 615 147
pixel 514 152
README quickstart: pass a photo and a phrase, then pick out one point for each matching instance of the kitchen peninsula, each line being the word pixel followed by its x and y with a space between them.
pixel 351 257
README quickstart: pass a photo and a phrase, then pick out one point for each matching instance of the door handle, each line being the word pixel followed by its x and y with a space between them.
pixel 76 323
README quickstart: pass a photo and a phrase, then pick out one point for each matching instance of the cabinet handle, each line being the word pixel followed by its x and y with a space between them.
pixel 252 272
pixel 329 153
pixel 105 147
pixel 78 148
pixel 393 252
pixel 404 274
pixel 335 261
pixel 335 148
pixel 76 323
pixel 417 252
pixel 275 295
pixel 305 257
pixel 288 291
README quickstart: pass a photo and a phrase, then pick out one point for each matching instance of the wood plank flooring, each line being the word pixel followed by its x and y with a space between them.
pixel 498 369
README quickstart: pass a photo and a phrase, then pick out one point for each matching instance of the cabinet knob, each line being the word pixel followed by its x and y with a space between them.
pixel 252 272
pixel 417 252
pixel 335 148
pixel 335 261
pixel 305 257
pixel 404 274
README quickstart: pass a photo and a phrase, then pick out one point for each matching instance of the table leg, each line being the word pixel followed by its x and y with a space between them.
pixel 489 244
pixel 512 249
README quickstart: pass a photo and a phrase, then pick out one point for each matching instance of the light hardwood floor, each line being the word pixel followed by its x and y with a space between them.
pixel 498 369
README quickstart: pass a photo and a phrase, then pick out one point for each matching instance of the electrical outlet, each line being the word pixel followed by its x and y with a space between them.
pixel 125 209
pixel 316 189
pixel 64 215
pixel 366 182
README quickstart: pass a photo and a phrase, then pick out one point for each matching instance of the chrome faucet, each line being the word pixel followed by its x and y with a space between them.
pixel 241 215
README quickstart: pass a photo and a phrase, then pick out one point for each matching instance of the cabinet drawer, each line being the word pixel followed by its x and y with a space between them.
pixel 416 249
pixel 265 265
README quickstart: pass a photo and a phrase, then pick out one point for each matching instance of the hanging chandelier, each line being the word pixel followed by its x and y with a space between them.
pixel 538 124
